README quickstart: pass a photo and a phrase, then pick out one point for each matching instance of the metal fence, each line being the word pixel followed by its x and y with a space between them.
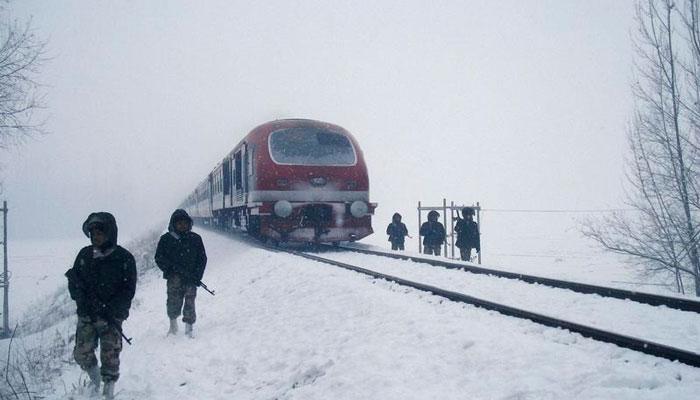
pixel 449 228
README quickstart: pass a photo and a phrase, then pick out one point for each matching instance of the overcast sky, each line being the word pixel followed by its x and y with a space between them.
pixel 516 104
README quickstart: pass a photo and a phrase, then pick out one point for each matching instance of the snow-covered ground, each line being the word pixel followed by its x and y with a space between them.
pixel 284 327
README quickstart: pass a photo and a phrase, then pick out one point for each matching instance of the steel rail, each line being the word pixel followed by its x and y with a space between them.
pixel 640 297
pixel 632 343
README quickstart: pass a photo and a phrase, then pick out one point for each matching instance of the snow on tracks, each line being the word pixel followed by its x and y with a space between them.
pixel 663 325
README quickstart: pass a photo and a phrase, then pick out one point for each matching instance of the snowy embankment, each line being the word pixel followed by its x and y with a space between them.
pixel 663 325
pixel 36 268
pixel 284 327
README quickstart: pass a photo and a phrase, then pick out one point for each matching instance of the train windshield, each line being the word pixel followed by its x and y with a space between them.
pixel 311 146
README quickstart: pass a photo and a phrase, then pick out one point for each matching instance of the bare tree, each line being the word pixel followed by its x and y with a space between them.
pixel 663 140
pixel 21 55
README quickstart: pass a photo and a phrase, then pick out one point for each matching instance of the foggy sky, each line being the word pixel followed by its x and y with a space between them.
pixel 516 104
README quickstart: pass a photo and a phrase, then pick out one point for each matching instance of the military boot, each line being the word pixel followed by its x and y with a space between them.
pixel 173 327
pixel 94 375
pixel 188 331
pixel 108 390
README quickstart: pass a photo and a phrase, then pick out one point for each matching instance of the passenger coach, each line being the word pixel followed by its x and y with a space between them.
pixel 289 180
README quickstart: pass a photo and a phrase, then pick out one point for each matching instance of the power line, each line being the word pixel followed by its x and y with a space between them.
pixel 598 210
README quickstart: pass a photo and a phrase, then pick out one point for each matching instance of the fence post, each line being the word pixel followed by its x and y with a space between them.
pixel 452 228
pixel 478 223
pixel 444 222
pixel 6 276
pixel 419 223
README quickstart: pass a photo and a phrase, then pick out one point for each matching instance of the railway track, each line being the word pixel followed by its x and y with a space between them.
pixel 640 297
pixel 633 343
pixel 629 342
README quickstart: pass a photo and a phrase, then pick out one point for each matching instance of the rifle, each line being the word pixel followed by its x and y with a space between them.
pixel 200 283
pixel 108 316
pixel 197 282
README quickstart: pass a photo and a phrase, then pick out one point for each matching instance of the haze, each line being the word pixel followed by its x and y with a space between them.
pixel 516 104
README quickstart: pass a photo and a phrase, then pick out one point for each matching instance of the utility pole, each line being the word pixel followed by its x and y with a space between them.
pixel 5 276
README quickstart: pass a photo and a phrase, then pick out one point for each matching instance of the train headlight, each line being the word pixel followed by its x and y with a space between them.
pixel 283 208
pixel 358 209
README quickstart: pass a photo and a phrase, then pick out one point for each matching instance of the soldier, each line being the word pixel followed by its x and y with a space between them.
pixel 102 282
pixel 467 234
pixel 397 232
pixel 433 233
pixel 181 257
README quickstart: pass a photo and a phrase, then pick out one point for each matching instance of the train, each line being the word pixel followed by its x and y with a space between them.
pixel 289 180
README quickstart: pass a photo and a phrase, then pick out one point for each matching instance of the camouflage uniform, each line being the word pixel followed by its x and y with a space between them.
pixel 179 290
pixel 102 282
pixel 87 335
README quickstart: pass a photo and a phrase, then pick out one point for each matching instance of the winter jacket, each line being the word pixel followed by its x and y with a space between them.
pixel 397 232
pixel 102 281
pixel 181 253
pixel 433 233
pixel 467 234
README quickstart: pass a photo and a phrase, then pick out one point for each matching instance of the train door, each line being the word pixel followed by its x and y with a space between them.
pixel 238 176
pixel 245 169
pixel 227 181
pixel 250 162
pixel 211 194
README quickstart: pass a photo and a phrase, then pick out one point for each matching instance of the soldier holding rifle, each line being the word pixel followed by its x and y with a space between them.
pixel 102 282
pixel 468 237
pixel 181 257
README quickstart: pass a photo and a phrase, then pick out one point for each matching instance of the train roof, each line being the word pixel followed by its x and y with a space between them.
pixel 268 127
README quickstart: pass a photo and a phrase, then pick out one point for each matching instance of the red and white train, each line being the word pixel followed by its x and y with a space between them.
pixel 291 180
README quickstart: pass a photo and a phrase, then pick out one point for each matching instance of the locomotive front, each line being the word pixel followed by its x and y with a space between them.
pixel 311 184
